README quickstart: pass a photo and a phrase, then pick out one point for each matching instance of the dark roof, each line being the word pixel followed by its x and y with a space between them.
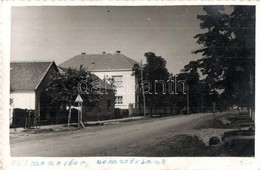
pixel 103 84
pixel 105 61
pixel 28 75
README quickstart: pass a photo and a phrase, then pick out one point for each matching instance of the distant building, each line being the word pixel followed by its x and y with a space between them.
pixel 29 80
pixel 110 65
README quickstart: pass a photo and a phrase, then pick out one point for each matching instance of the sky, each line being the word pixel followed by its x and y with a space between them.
pixel 59 33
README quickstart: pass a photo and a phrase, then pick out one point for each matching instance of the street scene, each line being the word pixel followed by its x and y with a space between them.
pixel 153 81
pixel 191 135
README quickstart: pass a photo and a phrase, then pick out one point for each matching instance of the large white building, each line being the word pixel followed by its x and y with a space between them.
pixel 110 65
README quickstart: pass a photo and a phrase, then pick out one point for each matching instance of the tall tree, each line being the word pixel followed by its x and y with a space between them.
pixel 242 56
pixel 192 88
pixel 228 47
pixel 214 43
pixel 155 74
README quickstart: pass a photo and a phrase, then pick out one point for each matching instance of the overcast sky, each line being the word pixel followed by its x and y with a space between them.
pixel 59 33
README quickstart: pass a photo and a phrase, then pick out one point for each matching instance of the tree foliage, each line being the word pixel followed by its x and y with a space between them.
pixel 228 53
pixel 154 72
pixel 63 88
pixel 199 92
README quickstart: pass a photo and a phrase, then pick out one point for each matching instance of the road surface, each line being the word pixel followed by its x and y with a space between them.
pixel 123 139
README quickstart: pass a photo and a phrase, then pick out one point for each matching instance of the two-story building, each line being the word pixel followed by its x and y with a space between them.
pixel 110 65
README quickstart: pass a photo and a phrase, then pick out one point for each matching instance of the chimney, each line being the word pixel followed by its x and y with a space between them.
pixel 83 53
pixel 118 52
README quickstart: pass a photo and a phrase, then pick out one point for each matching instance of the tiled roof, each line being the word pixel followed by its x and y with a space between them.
pixel 27 75
pixel 94 62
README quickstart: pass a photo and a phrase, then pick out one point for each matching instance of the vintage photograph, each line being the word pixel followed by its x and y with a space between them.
pixel 149 81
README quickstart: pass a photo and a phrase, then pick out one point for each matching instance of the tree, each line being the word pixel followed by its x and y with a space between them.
pixel 191 98
pixel 228 57
pixel 110 81
pixel 242 25
pixel 203 92
pixel 156 75
pixel 63 88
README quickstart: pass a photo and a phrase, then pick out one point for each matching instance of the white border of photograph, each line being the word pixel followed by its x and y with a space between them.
pixel 214 163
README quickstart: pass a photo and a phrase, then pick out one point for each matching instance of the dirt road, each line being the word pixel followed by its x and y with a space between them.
pixel 123 139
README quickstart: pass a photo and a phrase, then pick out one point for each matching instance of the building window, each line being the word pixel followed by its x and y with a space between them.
pixel 119 100
pixel 118 80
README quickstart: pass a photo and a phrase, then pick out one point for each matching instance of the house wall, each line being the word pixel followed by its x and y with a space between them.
pixel 42 106
pixel 127 90
pixel 23 99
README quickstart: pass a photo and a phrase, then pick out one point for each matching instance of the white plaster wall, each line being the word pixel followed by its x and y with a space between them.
pixel 128 89
pixel 23 100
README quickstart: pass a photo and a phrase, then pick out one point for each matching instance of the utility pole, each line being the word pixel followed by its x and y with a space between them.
pixel 142 80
